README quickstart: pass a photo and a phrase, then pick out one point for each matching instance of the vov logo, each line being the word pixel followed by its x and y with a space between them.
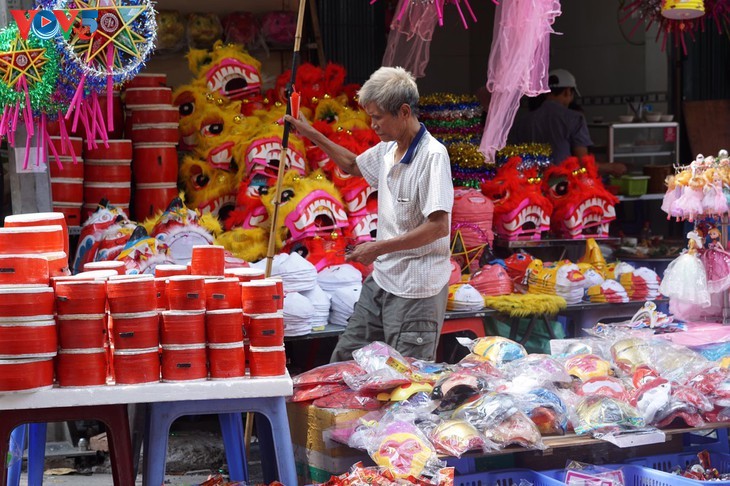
pixel 46 24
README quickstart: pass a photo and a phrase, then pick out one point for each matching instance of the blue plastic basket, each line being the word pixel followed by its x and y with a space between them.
pixel 667 462
pixel 505 477
pixel 635 476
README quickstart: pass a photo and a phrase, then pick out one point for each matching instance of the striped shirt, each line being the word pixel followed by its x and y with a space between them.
pixel 414 187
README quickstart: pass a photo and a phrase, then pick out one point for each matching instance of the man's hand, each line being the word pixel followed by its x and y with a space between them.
pixel 301 125
pixel 613 168
pixel 364 253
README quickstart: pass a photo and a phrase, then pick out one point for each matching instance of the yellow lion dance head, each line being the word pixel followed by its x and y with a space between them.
pixel 207 189
pixel 310 206
pixel 227 69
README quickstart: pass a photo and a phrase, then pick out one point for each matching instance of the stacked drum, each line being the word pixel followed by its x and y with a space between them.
pixel 107 174
pixel 152 124
pixel 29 249
pixel 67 177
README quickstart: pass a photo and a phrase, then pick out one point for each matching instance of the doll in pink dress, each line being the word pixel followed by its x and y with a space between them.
pixel 674 190
pixel 690 202
pixel 717 263
pixel 714 202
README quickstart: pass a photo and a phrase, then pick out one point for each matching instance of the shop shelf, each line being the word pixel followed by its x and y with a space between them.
pixel 506 477
pixel 634 476
pixel 667 462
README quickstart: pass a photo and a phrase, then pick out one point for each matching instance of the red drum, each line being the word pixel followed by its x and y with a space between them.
pixel 183 327
pixel 69 169
pixel 267 361
pixel 117 193
pixel 184 363
pixel 185 292
pixel 266 330
pixel 161 287
pixel 28 339
pixel 148 114
pixel 155 133
pixel 82 331
pixel 147 80
pixel 117 266
pixel 259 297
pixel 26 302
pixel 246 327
pixel 115 173
pixel 75 297
pixel 136 331
pixel 81 367
pixel 25 374
pixel 158 95
pixel 71 211
pixel 149 199
pixel 23 269
pixel 100 275
pixel 57 264
pixel 222 293
pixel 279 296
pixel 245 274
pixel 208 260
pixel 136 366
pixel 155 163
pixel 76 145
pixel 224 326
pixel 165 270
pixel 129 294
pixel 226 361
pixel 39 219
pixel 67 190
pixel 116 150
pixel 31 239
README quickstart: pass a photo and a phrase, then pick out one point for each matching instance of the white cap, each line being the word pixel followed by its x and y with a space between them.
pixel 336 276
pixel 560 78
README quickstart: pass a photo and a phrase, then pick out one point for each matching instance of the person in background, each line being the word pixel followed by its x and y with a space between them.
pixel 403 301
pixel 552 121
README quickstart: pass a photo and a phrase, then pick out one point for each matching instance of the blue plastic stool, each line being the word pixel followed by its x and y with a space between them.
pixel 36 453
pixel 276 447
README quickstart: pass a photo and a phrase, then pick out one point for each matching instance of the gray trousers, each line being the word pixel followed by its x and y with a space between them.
pixel 411 326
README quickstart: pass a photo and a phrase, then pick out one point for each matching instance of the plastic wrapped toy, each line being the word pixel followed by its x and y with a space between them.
pixel 402 448
pixel 385 367
pixel 601 415
pixel 203 30
pixel 496 349
pixel 329 373
pixel 170 30
pixel 279 27
pixel 587 366
pixel 532 371
pixel 455 437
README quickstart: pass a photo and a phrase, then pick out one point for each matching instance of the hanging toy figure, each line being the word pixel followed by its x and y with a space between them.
pixel 717 263
pixel 685 278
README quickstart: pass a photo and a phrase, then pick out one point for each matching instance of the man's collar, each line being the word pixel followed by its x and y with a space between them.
pixel 408 157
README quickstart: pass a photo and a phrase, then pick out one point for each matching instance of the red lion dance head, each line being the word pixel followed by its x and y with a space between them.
pixel 520 209
pixel 582 206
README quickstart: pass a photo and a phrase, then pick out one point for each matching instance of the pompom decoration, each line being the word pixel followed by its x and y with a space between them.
pixel 469 168
pixel 29 70
pixel 533 155
pixel 451 118
pixel 114 53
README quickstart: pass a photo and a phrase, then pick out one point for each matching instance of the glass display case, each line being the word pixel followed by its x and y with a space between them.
pixel 637 144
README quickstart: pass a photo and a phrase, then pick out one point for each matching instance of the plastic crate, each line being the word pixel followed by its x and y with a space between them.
pixel 667 462
pixel 506 477
pixel 634 185
pixel 635 476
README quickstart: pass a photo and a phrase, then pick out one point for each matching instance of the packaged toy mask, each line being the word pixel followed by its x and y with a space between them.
pixel 227 69
pixel 517 264
pixel 311 206
pixel 581 205
pixel 498 350
pixel 207 189
pixel 204 29
pixel 597 414
pixel 520 209
pixel 170 30
pixel 546 410
pixel 631 353
pixel 403 449
pixel 190 100
pixel 587 366
pixel 714 383
pixel 455 437
pixel 240 28
pixel 607 386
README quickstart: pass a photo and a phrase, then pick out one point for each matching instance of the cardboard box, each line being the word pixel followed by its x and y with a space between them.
pixel 316 457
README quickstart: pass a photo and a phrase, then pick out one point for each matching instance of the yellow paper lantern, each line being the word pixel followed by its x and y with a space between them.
pixel 683 9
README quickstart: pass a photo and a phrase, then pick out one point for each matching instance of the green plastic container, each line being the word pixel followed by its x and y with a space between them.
pixel 634 185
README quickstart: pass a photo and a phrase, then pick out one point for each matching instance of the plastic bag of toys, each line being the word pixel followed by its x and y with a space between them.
pixel 170 31
pixel 546 409
pixel 456 437
pixel 495 349
pixel 532 371
pixel 329 373
pixel 203 30
pixel 380 476
pixel 598 415
pixel 385 368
